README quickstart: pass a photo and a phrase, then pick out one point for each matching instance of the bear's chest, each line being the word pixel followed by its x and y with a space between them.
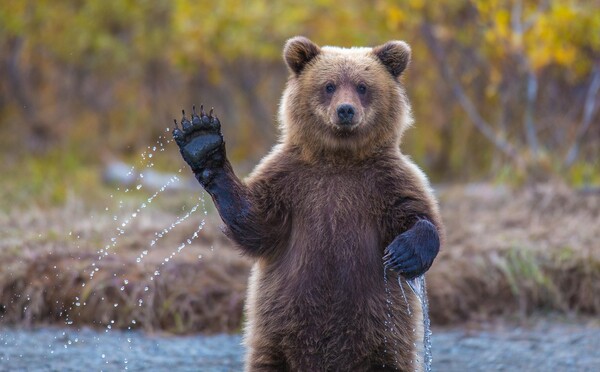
pixel 334 231
pixel 330 195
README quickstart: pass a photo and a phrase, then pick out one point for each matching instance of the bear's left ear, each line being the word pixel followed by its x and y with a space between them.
pixel 298 51
pixel 395 56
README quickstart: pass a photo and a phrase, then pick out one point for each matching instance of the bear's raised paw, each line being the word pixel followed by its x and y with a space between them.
pixel 201 143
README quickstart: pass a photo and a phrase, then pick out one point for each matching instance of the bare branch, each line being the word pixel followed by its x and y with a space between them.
pixel 515 18
pixel 483 126
pixel 589 111
pixel 532 82
pixel 16 79
pixel 542 7
pixel 530 130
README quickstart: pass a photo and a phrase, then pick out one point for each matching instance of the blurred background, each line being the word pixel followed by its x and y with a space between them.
pixel 503 91
pixel 506 100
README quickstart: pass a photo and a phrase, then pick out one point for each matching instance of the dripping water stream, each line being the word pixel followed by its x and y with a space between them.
pixel 419 288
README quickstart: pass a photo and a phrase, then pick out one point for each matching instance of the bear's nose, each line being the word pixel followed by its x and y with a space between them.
pixel 345 113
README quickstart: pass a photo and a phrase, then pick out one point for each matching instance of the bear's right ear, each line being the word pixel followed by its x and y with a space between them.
pixel 395 56
pixel 298 51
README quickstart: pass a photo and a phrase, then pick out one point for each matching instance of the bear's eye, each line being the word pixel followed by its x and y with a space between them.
pixel 330 88
pixel 361 89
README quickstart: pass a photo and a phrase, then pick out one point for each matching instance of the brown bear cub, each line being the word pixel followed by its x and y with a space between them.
pixel 332 208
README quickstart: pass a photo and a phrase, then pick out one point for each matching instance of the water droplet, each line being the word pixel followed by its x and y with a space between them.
pixel 138 186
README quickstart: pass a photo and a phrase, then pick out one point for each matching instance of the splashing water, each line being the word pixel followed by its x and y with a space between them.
pixel 419 288
pixel 389 323
pixel 121 228
pixel 124 223
pixel 160 234
pixel 404 296
pixel 187 241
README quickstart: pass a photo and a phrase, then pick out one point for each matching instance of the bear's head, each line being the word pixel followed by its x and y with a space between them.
pixel 344 100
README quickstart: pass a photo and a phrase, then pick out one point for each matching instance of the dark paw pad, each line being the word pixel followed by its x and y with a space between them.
pixel 412 252
pixel 200 140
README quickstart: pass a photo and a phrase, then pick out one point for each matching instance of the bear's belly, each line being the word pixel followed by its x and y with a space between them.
pixel 324 293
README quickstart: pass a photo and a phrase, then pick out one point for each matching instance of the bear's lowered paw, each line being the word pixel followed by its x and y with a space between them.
pixel 201 143
pixel 412 252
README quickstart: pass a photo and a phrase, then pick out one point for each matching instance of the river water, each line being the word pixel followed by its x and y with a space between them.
pixel 546 346
pixel 55 349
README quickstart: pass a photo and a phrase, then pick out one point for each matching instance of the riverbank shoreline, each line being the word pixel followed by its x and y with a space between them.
pixel 508 253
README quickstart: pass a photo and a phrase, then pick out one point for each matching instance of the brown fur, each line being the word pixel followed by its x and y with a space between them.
pixel 325 203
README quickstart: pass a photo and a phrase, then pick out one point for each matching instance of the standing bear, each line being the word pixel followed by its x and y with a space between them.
pixel 325 215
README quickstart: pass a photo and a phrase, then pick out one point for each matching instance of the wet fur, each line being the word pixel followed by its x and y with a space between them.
pixel 317 214
pixel 318 301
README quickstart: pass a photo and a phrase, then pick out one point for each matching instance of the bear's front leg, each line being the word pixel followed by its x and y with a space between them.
pixel 202 146
pixel 412 252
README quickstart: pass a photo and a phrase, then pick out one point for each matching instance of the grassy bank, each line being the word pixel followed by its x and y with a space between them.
pixel 509 252
pixel 517 253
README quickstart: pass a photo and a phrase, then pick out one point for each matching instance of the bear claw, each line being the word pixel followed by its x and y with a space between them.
pixel 200 140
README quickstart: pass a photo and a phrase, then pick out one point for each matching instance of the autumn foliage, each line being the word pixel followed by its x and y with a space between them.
pixel 501 89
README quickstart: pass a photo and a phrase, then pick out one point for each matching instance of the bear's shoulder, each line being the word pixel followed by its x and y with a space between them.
pixel 275 169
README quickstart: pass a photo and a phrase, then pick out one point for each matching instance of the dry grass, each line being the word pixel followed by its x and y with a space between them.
pixel 516 253
pixel 508 253
pixel 46 265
